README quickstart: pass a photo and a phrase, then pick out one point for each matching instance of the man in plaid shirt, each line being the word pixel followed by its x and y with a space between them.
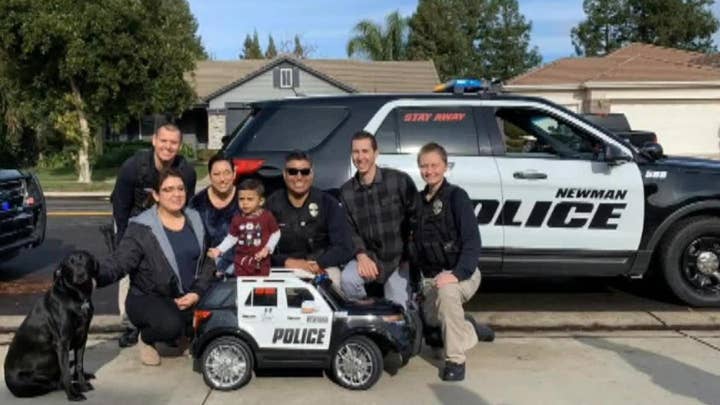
pixel 381 204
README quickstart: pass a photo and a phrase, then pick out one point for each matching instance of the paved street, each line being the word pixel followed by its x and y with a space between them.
pixel 672 367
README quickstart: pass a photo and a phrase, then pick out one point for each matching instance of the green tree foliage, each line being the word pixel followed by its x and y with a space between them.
pixel 271 50
pixel 377 42
pixel 298 48
pixel 610 24
pixel 440 30
pixel 76 65
pixel 481 38
pixel 251 47
pixel 502 43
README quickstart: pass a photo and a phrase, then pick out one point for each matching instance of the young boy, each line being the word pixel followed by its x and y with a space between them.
pixel 254 231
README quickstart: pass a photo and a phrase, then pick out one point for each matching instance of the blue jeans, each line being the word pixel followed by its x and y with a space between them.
pixel 396 288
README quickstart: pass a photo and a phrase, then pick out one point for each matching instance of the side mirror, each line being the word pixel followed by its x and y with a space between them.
pixel 615 156
pixel 652 150
pixel 308 307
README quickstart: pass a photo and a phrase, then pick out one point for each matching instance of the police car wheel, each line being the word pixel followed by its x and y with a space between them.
pixel 690 259
pixel 227 364
pixel 357 363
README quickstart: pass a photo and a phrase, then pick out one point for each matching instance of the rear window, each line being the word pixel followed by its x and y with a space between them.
pixel 283 129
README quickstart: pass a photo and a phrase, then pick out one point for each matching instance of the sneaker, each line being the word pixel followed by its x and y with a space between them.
pixel 128 338
pixel 453 371
pixel 484 332
pixel 149 356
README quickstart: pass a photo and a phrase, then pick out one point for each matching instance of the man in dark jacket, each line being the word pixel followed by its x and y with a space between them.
pixel 315 234
pixel 131 196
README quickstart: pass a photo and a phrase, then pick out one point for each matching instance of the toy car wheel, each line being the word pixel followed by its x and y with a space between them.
pixel 357 363
pixel 227 364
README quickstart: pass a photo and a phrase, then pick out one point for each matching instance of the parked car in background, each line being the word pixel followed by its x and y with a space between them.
pixel 23 214
pixel 618 124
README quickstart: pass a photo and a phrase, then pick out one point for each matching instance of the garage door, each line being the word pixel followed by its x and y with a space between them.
pixel 682 128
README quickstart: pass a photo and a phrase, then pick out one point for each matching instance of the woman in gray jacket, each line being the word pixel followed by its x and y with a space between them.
pixel 163 251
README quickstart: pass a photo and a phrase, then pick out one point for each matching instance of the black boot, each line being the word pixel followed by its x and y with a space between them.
pixel 484 332
pixel 128 338
pixel 453 372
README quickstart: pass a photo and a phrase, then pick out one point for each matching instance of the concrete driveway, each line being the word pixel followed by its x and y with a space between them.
pixel 633 367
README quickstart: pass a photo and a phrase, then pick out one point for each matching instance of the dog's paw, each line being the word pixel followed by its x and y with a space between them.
pixel 89 376
pixel 75 396
pixel 82 387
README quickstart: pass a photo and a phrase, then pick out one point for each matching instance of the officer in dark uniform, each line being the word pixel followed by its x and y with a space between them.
pixel 315 235
pixel 447 248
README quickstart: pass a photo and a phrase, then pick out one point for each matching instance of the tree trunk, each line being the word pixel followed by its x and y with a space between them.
pixel 99 141
pixel 83 163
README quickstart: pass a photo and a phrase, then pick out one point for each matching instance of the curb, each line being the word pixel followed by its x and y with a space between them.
pixel 77 194
pixel 501 322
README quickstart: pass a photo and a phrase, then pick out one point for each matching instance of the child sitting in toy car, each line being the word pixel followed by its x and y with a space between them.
pixel 254 230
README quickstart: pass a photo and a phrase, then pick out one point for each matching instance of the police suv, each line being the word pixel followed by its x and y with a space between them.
pixel 293 318
pixel 554 194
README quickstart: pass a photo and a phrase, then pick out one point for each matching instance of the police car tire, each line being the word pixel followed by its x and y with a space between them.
pixel 375 355
pixel 243 349
pixel 671 251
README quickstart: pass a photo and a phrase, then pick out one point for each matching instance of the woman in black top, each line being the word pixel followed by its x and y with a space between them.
pixel 217 204
pixel 163 251
pixel 447 242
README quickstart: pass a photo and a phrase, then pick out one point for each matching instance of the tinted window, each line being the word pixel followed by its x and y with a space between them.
pixel 386 135
pixel 290 128
pixel 452 127
pixel 262 297
pixel 221 295
pixel 533 133
pixel 296 296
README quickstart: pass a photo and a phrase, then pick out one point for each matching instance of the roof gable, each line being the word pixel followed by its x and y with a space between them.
pixel 213 78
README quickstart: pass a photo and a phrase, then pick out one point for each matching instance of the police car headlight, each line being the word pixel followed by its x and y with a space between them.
pixel 397 318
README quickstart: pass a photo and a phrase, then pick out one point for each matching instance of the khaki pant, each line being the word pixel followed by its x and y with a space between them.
pixel 444 308
pixel 335 275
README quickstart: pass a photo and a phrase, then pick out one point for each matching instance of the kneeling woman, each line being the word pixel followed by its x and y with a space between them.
pixel 163 251
pixel 447 242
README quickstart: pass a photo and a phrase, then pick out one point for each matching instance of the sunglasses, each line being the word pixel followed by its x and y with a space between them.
pixel 294 172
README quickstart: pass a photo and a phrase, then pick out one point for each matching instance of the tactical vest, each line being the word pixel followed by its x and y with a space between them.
pixel 437 239
pixel 304 230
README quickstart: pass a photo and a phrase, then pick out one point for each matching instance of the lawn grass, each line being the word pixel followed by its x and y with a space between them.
pixel 65 178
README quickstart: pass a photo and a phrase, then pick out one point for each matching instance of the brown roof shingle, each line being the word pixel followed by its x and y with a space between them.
pixel 210 77
pixel 635 62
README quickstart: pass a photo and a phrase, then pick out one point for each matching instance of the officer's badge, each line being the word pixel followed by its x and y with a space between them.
pixel 437 207
pixel 302 223
pixel 313 209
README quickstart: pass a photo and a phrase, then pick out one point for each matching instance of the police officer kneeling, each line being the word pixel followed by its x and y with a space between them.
pixel 447 248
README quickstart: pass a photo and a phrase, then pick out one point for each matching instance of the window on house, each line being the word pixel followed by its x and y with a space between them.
pixel 286 78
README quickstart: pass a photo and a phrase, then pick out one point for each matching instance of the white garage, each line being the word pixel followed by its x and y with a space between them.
pixel 674 93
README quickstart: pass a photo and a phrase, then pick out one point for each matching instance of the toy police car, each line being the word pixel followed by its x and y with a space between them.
pixel 293 318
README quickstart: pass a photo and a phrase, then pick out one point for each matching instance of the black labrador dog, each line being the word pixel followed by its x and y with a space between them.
pixel 38 360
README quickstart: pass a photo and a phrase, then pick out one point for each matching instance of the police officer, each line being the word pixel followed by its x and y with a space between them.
pixel 315 235
pixel 447 249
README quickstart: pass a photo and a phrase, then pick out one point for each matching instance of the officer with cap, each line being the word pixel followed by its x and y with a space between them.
pixel 447 248
pixel 315 234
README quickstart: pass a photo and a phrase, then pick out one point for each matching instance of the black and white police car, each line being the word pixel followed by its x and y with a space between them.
pixel 554 193
pixel 294 319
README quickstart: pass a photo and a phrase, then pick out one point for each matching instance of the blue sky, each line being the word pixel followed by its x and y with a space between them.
pixel 327 24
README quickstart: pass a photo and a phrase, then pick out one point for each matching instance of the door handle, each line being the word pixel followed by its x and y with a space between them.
pixel 248 316
pixel 530 175
pixel 294 318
